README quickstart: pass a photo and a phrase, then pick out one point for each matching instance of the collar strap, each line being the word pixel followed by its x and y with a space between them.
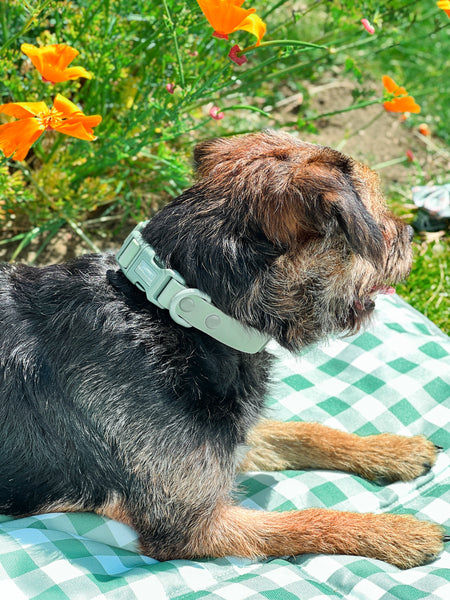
pixel 188 307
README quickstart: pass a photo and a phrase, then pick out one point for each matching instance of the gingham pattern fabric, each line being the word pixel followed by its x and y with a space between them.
pixel 393 377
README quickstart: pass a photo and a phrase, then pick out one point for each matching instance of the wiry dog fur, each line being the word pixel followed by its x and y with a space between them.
pixel 109 406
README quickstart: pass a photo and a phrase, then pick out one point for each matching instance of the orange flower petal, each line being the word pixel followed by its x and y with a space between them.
pixel 406 104
pixel 392 87
pixel 76 124
pixel 445 6
pixel 76 72
pixel 254 25
pixel 52 62
pixel 57 55
pixel 23 110
pixel 389 84
pixel 65 106
pixel 62 55
pixel 35 55
pixel 401 102
pixel 17 138
pixel 227 16
pixel 55 75
pixel 80 127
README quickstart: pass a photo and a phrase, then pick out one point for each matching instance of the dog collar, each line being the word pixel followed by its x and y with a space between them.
pixel 188 307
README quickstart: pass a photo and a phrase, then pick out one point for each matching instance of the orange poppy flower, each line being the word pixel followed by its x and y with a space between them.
pixel 401 102
pixel 34 118
pixel 445 6
pixel 227 16
pixel 52 62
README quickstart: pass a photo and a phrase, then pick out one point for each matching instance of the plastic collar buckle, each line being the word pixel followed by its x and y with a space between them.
pixel 140 264
pixel 188 307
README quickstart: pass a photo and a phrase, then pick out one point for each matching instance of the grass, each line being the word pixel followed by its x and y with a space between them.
pixel 142 154
pixel 427 288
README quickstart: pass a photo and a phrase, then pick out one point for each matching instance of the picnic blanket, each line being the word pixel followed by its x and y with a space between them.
pixel 395 376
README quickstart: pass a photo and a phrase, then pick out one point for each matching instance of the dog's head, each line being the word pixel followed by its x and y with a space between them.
pixel 288 237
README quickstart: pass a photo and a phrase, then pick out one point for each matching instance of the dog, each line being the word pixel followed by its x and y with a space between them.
pixel 115 400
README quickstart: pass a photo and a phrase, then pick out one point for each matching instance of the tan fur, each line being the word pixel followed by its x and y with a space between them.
pixel 60 507
pixel 401 540
pixel 116 509
pixel 277 446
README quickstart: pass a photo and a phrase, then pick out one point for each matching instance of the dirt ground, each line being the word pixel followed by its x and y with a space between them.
pixel 370 135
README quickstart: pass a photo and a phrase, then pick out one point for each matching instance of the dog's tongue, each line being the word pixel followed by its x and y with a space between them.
pixel 382 289
pixel 386 289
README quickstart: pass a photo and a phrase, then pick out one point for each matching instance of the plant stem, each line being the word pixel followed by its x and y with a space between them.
pixel 247 107
pixel 3 21
pixel 175 41
pixel 344 110
pixel 27 25
pixel 389 163
pixel 281 43
pixel 82 235
pixel 25 241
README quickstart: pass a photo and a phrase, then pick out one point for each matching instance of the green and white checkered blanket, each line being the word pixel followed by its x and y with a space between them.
pixel 393 377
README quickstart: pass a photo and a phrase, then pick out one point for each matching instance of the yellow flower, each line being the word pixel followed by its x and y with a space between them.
pixel 401 102
pixel 227 16
pixel 52 62
pixel 445 6
pixel 34 118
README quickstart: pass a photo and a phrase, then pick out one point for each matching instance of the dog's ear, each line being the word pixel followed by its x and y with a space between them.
pixel 330 197
pixel 360 228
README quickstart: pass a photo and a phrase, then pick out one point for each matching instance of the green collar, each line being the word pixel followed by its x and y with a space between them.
pixel 188 307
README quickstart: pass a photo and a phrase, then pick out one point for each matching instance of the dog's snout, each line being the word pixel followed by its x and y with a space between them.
pixel 410 232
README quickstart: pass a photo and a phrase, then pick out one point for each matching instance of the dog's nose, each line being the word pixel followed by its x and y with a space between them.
pixel 410 232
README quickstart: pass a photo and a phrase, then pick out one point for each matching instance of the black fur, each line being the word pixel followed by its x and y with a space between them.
pixel 105 401
pixel 86 362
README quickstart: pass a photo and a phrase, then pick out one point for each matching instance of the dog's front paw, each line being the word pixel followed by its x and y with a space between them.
pixel 405 541
pixel 388 457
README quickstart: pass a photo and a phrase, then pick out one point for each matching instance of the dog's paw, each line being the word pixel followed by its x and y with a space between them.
pixel 405 541
pixel 389 457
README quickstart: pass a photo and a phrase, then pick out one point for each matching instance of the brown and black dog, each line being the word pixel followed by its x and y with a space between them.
pixel 108 405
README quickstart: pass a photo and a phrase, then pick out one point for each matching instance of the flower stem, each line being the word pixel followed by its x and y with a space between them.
pixel 389 163
pixel 344 110
pixel 175 41
pixel 281 43
pixel 247 107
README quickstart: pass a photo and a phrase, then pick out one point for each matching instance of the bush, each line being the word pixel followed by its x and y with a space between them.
pixel 140 52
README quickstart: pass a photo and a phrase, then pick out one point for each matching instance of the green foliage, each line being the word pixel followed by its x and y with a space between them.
pixel 427 288
pixel 135 47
